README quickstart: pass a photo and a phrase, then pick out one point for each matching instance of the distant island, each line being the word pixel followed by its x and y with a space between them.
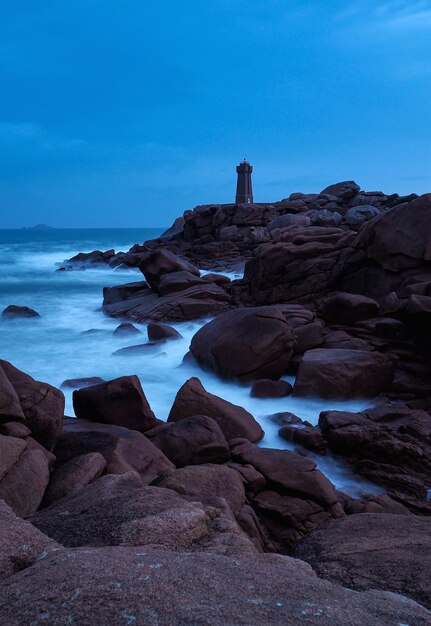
pixel 38 227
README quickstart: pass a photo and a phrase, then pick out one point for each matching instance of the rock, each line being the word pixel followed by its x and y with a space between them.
pixel 162 332
pixel 126 328
pixel 265 388
pixel 229 233
pixel 344 552
pixel 245 344
pixel 234 421
pixel 343 374
pixel 176 228
pixel 72 476
pixel 162 261
pixel 327 218
pixel 218 279
pixel 15 429
pixel 23 486
pixel 298 497
pixel 206 482
pixel 120 401
pixel 140 348
pixel 309 437
pixel 285 221
pixel 175 282
pixel 80 383
pixel 10 408
pixel 124 449
pixel 11 449
pixel 342 191
pixel 41 404
pixel 192 441
pixel 122 510
pixel 153 586
pixel 348 308
pixel 13 311
pixel 20 543
pixel 357 215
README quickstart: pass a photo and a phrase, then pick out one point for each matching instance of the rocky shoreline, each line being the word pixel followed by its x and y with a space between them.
pixel 118 517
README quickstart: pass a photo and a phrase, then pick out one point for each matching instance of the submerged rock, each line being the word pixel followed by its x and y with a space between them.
pixel 14 311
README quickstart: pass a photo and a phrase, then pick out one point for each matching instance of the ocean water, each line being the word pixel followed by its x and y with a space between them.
pixel 56 346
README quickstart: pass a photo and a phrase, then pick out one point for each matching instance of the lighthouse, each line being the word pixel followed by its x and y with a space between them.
pixel 244 190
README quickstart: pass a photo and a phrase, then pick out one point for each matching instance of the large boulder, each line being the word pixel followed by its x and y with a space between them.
pixel 358 215
pixel 348 308
pixel 245 344
pixel 20 542
pixel 41 404
pixel 13 311
pixel 161 332
pixel 24 485
pixel 192 441
pixel 10 408
pixel 119 585
pixel 73 475
pixel 344 191
pixel 123 449
pixel 373 551
pixel 162 261
pixel 234 421
pixel 343 374
pixel 120 401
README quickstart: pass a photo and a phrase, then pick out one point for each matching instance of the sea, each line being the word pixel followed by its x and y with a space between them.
pixel 57 346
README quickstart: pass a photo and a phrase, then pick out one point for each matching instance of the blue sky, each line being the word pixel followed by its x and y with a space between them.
pixel 125 112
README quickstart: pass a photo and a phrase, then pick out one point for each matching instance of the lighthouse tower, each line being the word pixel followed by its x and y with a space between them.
pixel 244 191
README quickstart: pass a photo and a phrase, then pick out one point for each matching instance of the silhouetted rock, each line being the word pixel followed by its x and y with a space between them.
pixel 266 388
pixel 245 344
pixel 13 311
pixel 80 383
pixel 126 328
pixel 161 332
pixel 234 421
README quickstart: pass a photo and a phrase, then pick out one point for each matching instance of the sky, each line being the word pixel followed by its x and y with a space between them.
pixel 125 113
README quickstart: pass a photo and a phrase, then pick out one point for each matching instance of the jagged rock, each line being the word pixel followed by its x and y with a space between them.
pixel 369 551
pixel 120 401
pixel 234 421
pixel 245 344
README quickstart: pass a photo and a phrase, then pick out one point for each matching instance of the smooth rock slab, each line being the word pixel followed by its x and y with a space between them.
pixel 374 551
pixel 343 374
pixel 142 586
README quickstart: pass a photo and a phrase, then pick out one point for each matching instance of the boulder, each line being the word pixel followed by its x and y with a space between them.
pixel 343 374
pixel 41 404
pixel 229 233
pixel 119 585
pixel 285 221
pixel 80 383
pixel 245 344
pixel 327 218
pixel 206 483
pixel 12 312
pixel 11 449
pixel 192 441
pixel 342 191
pixel 120 401
pixel 123 449
pixel 357 215
pixel 161 332
pixel 348 308
pixel 174 282
pixel 73 475
pixel 127 329
pixel 373 551
pixel 23 487
pixel 233 421
pixel 10 408
pixel 20 543
pixel 265 388
pixel 304 435
pixel 162 261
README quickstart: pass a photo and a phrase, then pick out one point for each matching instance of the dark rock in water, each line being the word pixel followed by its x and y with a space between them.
pixel 94 331
pixel 20 543
pixel 161 262
pixel 348 308
pixel 120 401
pixel 266 388
pixel 126 328
pixel 369 551
pixel 158 586
pixel 140 348
pixel 298 497
pixel 191 441
pixel 161 332
pixel 218 279
pixel 343 374
pixel 41 404
pixel 123 449
pixel 80 383
pixel 309 437
pixel 245 344
pixel 234 421
pixel 73 475
pixel 286 419
pixel 13 311
pixel 205 483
